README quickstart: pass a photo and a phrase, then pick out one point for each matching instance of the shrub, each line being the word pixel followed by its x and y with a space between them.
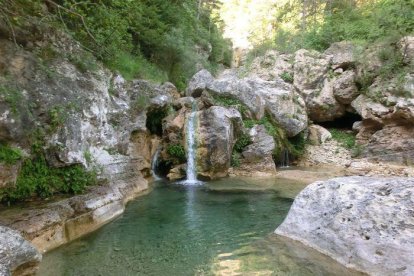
pixel 287 77
pixel 9 155
pixel 243 141
pixel 235 159
pixel 345 138
pixel 177 151
pixel 36 178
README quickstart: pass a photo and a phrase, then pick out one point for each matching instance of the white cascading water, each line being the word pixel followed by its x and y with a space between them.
pixel 285 159
pixel 154 165
pixel 191 146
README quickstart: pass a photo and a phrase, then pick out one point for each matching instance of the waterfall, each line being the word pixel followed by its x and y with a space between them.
pixel 285 159
pixel 154 164
pixel 191 146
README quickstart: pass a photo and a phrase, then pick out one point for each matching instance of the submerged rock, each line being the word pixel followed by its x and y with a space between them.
pixel 364 223
pixel 17 256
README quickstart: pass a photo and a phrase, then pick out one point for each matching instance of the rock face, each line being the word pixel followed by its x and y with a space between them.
pixel 54 224
pixel 83 116
pixel 277 98
pixel 216 132
pixel 257 157
pixel 364 223
pixel 17 256
pixel 318 135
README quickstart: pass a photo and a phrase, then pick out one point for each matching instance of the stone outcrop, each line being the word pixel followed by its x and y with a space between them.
pixel 343 54
pixel 277 98
pixel 218 128
pixel 257 157
pixel 54 224
pixel 82 115
pixel 318 135
pixel 17 256
pixel 273 65
pixel 363 223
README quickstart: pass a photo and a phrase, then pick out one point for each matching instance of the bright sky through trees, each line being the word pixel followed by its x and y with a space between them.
pixel 248 22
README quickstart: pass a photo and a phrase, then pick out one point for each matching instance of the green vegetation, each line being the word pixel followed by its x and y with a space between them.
pixel 178 152
pixel 230 102
pixel 287 77
pixel 155 39
pixel 343 137
pixel 235 159
pixel 9 155
pixel 317 24
pixel 11 96
pixel 37 178
pixel 295 145
pixel 242 142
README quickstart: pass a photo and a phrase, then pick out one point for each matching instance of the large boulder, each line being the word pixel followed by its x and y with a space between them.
pixel 310 69
pixel 17 256
pixel 364 223
pixel 344 87
pixel 393 144
pixel 257 157
pixel 198 83
pixel 273 65
pixel 217 131
pixel 277 98
pixel 343 54
pixel 322 105
pixel 318 135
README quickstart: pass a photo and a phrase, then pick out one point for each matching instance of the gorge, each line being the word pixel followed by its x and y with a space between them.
pixel 132 142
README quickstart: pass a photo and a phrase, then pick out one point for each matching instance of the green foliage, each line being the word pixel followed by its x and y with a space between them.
pixel 177 151
pixel 140 103
pixel 12 96
pixel 333 21
pixel 36 178
pixel 235 159
pixel 297 144
pixel 343 137
pixel 57 117
pixel 85 62
pixel 9 155
pixel 155 118
pixel 287 77
pixel 136 66
pixel 242 142
pixel 230 102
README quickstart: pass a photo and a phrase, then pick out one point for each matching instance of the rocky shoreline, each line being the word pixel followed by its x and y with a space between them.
pixel 61 222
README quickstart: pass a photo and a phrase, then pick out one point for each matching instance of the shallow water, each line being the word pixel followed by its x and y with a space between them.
pixel 193 230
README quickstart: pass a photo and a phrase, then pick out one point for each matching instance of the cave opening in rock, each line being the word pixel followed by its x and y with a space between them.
pixel 345 122
pixel 163 167
pixel 154 120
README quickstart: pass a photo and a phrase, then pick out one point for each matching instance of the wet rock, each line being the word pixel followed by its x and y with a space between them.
pixel 364 223
pixel 177 173
pixel 17 256
pixel 218 128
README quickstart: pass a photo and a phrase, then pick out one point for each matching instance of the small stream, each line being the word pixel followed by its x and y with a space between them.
pixel 220 228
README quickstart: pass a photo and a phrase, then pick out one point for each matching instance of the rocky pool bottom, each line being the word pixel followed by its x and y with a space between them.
pixel 221 228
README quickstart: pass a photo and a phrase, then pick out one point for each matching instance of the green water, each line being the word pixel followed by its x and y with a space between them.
pixel 181 230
